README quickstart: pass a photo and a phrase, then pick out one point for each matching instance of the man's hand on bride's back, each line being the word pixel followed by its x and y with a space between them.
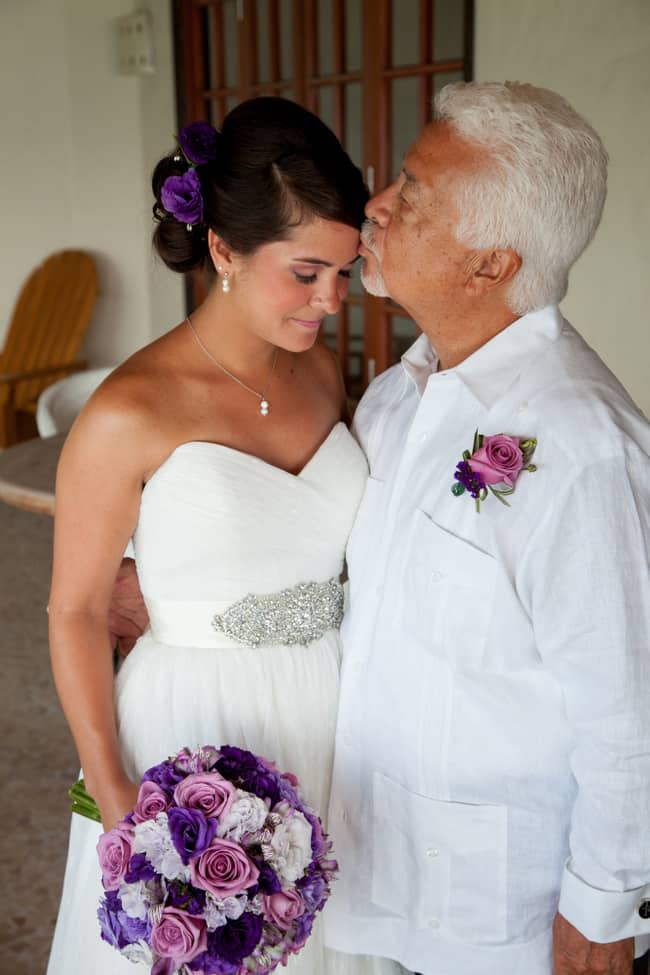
pixel 127 614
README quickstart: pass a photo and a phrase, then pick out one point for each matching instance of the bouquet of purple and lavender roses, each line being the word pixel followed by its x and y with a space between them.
pixel 219 869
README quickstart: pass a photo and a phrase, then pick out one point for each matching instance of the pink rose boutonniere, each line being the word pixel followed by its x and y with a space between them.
pixel 496 460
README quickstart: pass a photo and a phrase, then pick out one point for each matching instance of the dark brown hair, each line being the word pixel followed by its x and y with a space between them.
pixel 276 164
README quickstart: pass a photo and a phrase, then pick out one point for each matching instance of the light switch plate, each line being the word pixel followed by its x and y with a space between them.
pixel 134 41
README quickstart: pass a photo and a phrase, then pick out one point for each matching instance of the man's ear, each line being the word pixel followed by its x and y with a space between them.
pixel 220 253
pixel 489 269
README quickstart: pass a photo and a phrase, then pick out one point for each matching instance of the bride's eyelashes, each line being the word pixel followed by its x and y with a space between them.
pixel 310 278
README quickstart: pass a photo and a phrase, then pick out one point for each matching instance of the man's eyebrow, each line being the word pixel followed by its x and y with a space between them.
pixel 320 262
pixel 411 180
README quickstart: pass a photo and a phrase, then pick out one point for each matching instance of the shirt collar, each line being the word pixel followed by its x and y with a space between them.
pixel 492 369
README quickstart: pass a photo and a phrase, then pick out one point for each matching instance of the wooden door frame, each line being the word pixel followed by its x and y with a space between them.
pixel 377 72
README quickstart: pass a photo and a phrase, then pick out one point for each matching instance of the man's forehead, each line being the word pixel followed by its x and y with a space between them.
pixel 438 149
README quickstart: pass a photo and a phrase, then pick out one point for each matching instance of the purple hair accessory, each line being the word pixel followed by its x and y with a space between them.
pixel 198 140
pixel 181 196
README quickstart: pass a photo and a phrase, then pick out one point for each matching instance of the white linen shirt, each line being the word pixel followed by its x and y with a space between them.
pixel 493 743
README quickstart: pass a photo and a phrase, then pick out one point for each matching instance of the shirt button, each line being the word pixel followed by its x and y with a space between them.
pixel 522 408
pixel 347 739
pixel 437 576
pixel 644 909
pixel 434 923
pixel 422 437
pixel 432 853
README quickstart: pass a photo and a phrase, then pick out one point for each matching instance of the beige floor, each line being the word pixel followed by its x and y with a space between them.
pixel 37 757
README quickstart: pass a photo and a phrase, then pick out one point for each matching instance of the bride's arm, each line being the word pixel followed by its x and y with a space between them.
pixel 99 483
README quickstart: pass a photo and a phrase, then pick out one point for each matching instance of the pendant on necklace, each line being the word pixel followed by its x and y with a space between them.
pixel 264 407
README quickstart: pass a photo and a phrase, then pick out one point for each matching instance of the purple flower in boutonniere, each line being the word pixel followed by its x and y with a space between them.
pixel 495 460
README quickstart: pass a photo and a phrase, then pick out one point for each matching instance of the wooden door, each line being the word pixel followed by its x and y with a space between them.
pixel 368 68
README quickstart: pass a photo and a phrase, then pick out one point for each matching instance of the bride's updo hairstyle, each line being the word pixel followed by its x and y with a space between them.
pixel 273 165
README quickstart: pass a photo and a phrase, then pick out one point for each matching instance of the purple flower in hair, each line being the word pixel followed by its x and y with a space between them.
pixel 181 196
pixel 198 140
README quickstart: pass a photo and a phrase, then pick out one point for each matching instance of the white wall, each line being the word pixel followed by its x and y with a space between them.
pixel 75 159
pixel 597 54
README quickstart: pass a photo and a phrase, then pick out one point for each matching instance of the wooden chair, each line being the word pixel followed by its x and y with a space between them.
pixel 48 325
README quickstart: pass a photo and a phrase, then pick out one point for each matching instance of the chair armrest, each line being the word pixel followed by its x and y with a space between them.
pixel 10 378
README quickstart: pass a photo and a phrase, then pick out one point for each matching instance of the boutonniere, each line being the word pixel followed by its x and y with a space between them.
pixel 492 461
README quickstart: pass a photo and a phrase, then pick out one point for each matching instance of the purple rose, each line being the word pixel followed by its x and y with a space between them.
pixel 166 775
pixel 117 928
pixel 301 931
pixel 181 196
pixel 198 140
pixel 190 831
pixel 236 940
pixel 139 869
pixel 114 852
pixel 178 935
pixel 283 908
pixel 313 889
pixel 206 791
pixel 151 800
pixel 268 881
pixel 241 766
pixel 224 869
pixel 185 897
pixel 499 460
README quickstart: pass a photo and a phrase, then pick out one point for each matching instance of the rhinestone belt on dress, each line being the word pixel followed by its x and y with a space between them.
pixel 293 616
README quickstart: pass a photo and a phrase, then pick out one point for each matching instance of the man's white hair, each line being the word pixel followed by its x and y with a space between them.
pixel 542 185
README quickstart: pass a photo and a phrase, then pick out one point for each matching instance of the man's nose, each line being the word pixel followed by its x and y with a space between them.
pixel 379 208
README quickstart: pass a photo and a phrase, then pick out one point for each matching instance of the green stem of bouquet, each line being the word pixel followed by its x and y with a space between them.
pixel 82 803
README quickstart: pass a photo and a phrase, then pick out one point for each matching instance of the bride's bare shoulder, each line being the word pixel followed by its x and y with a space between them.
pixel 136 406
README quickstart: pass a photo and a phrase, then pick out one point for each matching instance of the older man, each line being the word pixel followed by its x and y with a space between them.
pixel 491 800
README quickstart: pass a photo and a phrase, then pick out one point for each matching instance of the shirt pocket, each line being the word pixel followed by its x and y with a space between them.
pixel 452 585
pixel 440 865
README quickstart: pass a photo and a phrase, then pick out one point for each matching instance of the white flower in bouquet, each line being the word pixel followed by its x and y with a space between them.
pixel 289 849
pixel 138 952
pixel 154 840
pixel 135 899
pixel 246 816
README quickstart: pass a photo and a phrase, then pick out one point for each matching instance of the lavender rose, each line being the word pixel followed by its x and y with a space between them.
pixel 190 831
pixel 198 140
pixel 223 869
pixel 152 799
pixel 178 935
pixel 499 460
pixel 207 791
pixel 114 851
pixel 181 196
pixel 283 908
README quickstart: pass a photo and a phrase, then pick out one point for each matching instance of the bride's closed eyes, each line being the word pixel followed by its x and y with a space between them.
pixel 310 278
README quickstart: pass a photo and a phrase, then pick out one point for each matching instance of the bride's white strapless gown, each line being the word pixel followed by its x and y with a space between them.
pixel 215 525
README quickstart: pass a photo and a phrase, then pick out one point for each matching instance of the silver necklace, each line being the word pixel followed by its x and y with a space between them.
pixel 264 403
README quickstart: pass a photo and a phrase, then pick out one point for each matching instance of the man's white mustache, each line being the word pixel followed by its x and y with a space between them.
pixel 368 228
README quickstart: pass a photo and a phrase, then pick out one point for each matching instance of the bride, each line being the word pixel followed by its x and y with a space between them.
pixel 221 448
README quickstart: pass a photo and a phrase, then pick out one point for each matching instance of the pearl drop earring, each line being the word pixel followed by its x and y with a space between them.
pixel 225 283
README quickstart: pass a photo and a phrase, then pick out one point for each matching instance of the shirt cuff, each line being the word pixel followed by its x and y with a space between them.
pixel 604 915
